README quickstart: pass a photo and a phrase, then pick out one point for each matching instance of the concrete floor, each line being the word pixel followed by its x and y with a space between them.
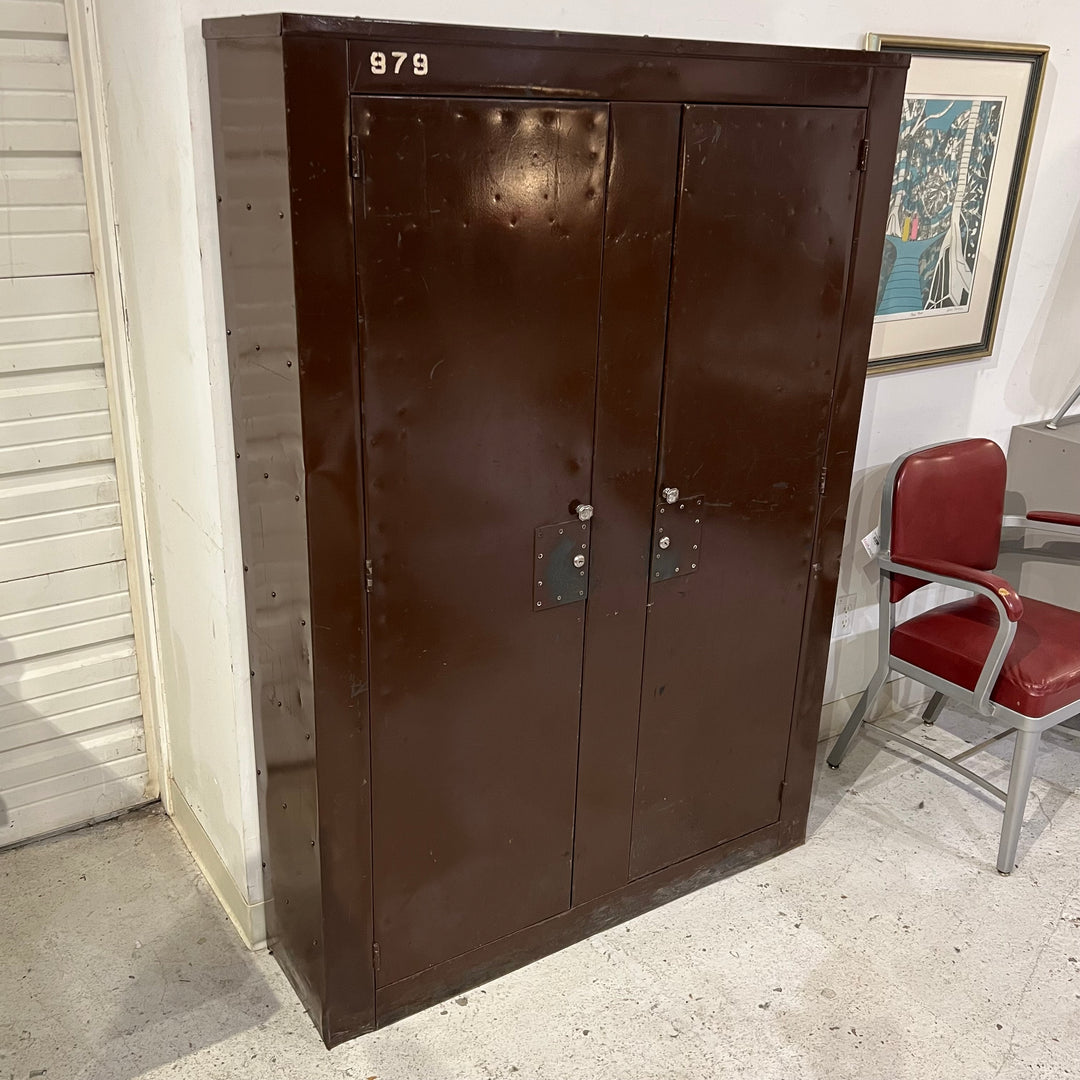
pixel 887 948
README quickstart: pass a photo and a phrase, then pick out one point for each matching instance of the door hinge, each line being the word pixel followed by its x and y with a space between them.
pixel 864 153
pixel 821 481
pixel 354 156
pixel 376 955
pixel 369 577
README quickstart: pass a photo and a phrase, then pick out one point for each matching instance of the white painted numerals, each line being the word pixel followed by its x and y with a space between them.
pixel 380 65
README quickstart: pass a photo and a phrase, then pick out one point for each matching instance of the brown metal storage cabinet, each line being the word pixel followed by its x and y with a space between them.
pixel 476 283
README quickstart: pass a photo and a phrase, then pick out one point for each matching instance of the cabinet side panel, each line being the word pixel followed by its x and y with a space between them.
pixel 327 331
pixel 250 161
pixel 882 128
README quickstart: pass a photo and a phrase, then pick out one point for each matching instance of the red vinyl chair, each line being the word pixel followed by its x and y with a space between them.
pixel 1009 657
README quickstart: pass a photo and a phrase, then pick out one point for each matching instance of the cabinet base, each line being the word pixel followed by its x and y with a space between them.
pixel 406 996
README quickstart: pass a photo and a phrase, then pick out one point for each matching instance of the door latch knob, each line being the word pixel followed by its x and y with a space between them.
pixel 670 494
pixel 584 511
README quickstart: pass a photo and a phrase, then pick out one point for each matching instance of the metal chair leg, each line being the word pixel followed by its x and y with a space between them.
pixel 933 710
pixel 1023 767
pixel 866 703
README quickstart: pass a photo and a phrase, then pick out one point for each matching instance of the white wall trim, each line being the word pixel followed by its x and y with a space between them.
pixel 93 132
pixel 249 919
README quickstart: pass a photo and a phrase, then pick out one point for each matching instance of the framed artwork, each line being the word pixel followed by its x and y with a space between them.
pixel 965 135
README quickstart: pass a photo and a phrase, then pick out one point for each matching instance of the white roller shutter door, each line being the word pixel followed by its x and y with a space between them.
pixel 71 732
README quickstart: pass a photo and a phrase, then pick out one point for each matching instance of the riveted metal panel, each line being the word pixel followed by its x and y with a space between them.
pixel 561 564
pixel 479 291
pixel 676 549
pixel 763 244
pixel 251 166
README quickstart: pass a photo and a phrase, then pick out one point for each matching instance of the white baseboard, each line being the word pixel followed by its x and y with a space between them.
pixel 899 695
pixel 249 919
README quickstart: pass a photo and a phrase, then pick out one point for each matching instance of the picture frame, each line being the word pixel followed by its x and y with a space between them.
pixel 965 140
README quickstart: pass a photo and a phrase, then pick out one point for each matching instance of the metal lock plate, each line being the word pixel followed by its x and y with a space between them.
pixel 557 580
pixel 676 547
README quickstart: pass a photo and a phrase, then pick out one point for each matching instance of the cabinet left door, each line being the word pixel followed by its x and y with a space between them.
pixel 479 229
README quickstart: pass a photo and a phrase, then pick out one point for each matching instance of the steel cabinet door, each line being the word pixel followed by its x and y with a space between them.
pixel 479 237
pixel 762 250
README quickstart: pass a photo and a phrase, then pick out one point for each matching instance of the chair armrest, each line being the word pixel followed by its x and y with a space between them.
pixel 942 569
pixel 1054 517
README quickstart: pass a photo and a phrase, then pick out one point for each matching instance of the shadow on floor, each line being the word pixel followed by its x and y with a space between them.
pixel 106 983
pixel 1057 772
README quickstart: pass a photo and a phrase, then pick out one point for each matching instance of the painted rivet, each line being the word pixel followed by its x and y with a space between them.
pixel 693 566
pixel 539 603
pixel 540 555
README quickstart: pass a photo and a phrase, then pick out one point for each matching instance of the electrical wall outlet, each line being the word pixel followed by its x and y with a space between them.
pixel 872 543
pixel 844 616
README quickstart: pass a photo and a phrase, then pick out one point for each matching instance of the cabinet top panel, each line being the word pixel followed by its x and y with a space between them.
pixel 442 59
pixel 274 25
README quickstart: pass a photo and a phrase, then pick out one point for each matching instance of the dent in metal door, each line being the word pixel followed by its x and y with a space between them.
pixel 763 243
pixel 479 229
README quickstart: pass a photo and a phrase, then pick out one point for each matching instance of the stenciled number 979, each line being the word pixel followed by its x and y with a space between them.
pixel 380 65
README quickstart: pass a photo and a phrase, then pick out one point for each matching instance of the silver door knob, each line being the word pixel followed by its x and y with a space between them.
pixel 665 542
pixel 584 511
pixel 579 561
pixel 670 494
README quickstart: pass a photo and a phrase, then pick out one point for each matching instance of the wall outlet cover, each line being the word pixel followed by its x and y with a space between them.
pixel 843 619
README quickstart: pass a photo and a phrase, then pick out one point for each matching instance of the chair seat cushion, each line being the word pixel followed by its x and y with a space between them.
pixel 1041 672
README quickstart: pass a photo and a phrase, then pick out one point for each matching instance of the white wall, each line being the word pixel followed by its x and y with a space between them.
pixel 163 163
pixel 185 437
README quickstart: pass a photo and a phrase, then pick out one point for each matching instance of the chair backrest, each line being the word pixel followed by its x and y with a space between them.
pixel 947 503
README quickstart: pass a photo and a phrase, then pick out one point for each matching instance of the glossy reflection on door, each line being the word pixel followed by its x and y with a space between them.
pixel 480 228
pixel 762 249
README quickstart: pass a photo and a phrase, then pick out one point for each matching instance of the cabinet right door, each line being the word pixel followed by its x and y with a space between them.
pixel 762 250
